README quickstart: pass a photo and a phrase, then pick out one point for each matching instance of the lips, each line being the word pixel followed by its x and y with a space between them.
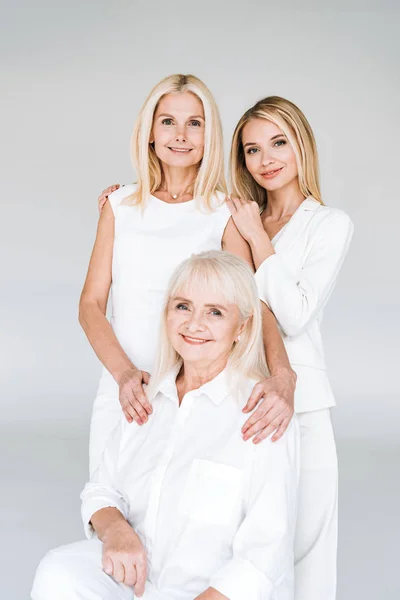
pixel 180 150
pixel 272 173
pixel 194 341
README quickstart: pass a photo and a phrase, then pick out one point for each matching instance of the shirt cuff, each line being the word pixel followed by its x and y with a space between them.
pixel 263 272
pixel 92 505
pixel 240 579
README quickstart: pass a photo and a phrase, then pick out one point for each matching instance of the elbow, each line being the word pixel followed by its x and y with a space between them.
pixel 86 307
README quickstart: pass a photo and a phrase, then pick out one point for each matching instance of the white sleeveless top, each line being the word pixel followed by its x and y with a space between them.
pixel 149 244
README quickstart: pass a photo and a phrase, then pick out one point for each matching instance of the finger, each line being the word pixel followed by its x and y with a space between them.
pixel 267 431
pixel 119 571
pixel 141 397
pixel 258 414
pixel 231 206
pixel 141 572
pixel 131 412
pixel 143 416
pixel 108 565
pixel 146 377
pixel 236 203
pixel 281 429
pixel 130 574
pixel 127 416
pixel 255 396
pixel 263 422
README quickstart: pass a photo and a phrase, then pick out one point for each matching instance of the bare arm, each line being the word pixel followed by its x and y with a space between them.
pixel 274 395
pixel 94 297
pixel 277 359
pixel 92 317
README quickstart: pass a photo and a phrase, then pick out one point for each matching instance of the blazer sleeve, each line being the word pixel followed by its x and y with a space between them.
pixel 263 545
pixel 102 490
pixel 296 302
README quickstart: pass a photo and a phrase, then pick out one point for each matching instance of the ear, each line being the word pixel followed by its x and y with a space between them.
pixel 242 327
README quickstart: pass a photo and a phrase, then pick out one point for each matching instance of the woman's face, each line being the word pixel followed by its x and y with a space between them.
pixel 269 157
pixel 202 326
pixel 178 130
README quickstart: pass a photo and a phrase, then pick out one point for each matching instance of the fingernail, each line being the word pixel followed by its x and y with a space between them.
pixel 256 441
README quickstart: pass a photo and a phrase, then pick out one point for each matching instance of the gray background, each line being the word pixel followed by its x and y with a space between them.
pixel 74 77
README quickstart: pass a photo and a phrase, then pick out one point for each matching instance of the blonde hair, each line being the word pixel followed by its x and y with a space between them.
pixel 210 178
pixel 217 270
pixel 292 122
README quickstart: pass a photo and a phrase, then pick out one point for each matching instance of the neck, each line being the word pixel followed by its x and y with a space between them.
pixel 194 375
pixel 178 179
pixel 283 202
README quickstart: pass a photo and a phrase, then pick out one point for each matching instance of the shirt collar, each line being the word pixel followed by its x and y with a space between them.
pixel 216 390
pixel 310 204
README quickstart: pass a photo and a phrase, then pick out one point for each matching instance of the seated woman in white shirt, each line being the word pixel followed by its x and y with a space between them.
pixel 183 508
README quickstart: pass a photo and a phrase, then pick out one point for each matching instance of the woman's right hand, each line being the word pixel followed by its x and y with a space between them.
pixel 132 397
pixel 102 199
pixel 124 557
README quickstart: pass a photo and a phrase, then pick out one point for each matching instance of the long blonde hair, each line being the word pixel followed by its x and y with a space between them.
pixel 292 122
pixel 210 178
pixel 216 270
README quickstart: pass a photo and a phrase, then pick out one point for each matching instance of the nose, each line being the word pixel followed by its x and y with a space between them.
pixel 180 135
pixel 195 322
pixel 267 159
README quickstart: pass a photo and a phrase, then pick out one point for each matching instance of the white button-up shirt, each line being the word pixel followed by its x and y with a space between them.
pixel 210 509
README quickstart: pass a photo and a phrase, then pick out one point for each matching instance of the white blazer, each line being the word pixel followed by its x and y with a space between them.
pixel 296 282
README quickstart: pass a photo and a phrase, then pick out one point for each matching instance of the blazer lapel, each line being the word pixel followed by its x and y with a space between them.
pixel 297 224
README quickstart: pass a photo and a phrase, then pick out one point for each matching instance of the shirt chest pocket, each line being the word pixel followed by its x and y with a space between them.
pixel 212 493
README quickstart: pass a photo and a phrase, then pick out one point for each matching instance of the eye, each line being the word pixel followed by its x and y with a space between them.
pixel 252 150
pixel 166 122
pixel 280 143
pixel 181 306
pixel 195 123
pixel 215 312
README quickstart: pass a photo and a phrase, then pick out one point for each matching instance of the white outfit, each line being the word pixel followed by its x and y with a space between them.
pixel 210 509
pixel 149 244
pixel 296 283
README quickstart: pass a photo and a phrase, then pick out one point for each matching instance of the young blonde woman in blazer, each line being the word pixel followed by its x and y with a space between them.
pixel 298 246
pixel 177 208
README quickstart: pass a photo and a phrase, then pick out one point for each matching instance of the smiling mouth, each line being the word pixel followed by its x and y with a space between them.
pixel 180 150
pixel 269 174
pixel 194 341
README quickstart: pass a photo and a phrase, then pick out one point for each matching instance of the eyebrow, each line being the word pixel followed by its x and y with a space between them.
pixel 207 305
pixel 273 138
pixel 172 117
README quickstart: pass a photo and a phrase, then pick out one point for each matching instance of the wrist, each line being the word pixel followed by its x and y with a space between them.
pixel 257 238
pixel 285 372
pixel 124 372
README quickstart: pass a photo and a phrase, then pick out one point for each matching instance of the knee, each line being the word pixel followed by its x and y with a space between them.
pixel 52 576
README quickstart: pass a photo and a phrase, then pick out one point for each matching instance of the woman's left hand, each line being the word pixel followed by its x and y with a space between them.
pixel 246 216
pixel 275 410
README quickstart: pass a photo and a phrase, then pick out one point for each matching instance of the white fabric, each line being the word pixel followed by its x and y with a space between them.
pixel 296 283
pixel 210 509
pixel 149 243
pixel 316 530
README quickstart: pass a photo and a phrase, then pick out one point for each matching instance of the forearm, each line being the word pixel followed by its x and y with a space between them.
pixel 261 247
pixel 275 352
pixel 103 339
pixel 106 520
pixel 211 594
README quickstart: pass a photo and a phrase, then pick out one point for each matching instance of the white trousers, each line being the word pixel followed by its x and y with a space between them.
pixel 74 572
pixel 316 532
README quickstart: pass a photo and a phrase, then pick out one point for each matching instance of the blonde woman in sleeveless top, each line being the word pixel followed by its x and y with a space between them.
pixel 176 208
